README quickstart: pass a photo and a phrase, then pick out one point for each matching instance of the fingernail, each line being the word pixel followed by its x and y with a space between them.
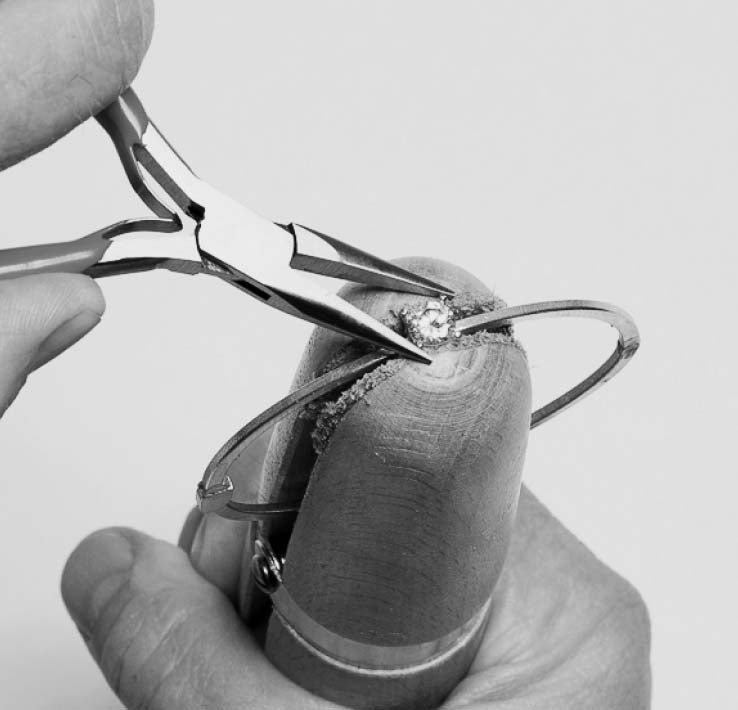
pixel 65 335
pixel 94 573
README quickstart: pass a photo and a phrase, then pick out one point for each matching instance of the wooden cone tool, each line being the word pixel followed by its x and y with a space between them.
pixel 391 564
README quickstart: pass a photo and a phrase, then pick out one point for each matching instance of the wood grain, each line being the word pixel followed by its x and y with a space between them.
pixel 408 512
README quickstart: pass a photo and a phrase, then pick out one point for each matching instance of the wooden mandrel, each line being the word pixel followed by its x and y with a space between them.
pixel 393 558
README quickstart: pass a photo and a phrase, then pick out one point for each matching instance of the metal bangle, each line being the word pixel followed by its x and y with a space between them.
pixel 215 490
pixel 369 658
pixel 628 342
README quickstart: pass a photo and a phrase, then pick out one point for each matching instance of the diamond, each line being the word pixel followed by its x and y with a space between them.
pixel 430 324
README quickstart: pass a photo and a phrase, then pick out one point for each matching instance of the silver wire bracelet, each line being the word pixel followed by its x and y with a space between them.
pixel 215 491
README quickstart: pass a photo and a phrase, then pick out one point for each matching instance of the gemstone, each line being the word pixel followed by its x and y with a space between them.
pixel 430 324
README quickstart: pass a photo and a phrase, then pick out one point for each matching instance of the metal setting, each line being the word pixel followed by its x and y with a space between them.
pixel 429 324
pixel 198 229
pixel 215 491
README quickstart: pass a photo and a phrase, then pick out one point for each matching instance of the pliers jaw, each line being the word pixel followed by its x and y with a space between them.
pixel 259 260
pixel 320 254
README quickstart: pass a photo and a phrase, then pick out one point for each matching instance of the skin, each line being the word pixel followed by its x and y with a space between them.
pixel 160 620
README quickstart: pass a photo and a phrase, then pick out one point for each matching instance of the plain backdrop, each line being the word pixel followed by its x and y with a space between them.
pixel 568 149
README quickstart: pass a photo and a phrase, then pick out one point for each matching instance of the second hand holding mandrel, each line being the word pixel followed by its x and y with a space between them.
pixel 197 229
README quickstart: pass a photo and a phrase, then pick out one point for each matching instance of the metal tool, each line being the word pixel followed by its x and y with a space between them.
pixel 197 229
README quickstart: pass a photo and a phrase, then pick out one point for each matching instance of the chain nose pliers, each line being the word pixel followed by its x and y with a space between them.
pixel 197 229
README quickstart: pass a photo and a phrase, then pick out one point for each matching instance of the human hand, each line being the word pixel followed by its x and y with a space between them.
pixel 566 632
pixel 63 62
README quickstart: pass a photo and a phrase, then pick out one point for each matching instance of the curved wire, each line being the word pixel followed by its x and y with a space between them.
pixel 215 491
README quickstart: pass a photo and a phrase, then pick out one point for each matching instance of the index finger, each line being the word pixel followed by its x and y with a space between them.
pixel 62 62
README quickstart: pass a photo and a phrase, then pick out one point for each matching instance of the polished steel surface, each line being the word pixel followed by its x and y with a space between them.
pixel 320 254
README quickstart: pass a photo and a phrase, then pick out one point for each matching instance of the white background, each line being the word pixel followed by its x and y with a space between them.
pixel 556 149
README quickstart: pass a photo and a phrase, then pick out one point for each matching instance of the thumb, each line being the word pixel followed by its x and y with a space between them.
pixel 162 635
pixel 40 317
